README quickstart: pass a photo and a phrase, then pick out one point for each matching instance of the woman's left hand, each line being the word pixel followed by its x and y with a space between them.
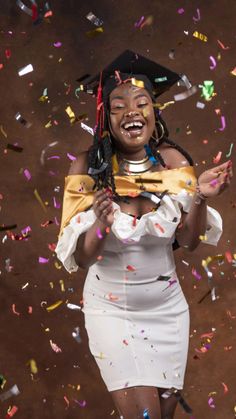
pixel 214 181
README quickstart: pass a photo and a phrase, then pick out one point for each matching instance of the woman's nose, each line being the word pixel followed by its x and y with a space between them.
pixel 131 113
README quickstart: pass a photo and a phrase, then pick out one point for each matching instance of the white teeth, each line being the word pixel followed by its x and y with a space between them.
pixel 133 124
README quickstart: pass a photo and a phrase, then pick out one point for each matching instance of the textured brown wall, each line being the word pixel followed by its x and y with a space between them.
pixel 24 336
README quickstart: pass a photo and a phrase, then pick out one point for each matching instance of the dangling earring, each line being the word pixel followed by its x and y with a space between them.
pixel 157 139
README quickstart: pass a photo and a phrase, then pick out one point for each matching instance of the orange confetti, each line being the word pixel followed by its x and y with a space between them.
pixel 228 257
pixel 160 227
pixel 30 310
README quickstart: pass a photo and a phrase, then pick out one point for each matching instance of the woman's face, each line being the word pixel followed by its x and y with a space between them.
pixel 132 117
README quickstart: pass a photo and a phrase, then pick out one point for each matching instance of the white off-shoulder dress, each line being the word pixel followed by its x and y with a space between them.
pixel 137 320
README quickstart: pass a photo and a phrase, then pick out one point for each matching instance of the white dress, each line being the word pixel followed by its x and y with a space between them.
pixel 137 320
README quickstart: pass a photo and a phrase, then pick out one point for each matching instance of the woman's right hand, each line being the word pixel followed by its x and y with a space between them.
pixel 103 209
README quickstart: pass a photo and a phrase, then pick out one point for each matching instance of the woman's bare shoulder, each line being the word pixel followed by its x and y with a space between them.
pixel 172 157
pixel 80 165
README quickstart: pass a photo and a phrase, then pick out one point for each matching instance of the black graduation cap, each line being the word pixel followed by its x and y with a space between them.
pixel 132 64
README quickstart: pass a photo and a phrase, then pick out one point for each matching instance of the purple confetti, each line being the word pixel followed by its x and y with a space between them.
pixel 196 19
pixel 223 123
pixel 53 157
pixel 213 63
pixel 43 260
pixel 181 11
pixel 57 44
pixel 71 157
pixel 56 205
pixel 27 174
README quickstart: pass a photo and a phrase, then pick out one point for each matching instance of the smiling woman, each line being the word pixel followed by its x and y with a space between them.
pixel 126 202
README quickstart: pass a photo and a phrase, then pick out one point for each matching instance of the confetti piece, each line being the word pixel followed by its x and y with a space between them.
pixel 160 228
pixel 225 388
pixel 99 234
pixel 130 268
pixel 112 297
pixel 30 309
pixel 14 391
pixel 43 260
pixel 36 194
pixel 233 72
pixel 196 19
pixel 223 123
pixel 230 150
pixel 14 310
pixel 25 70
pixel 212 59
pixel 66 400
pixel 181 11
pixel 53 306
pixel 211 403
pixel 12 411
pixel 73 306
pixel 186 94
pixel 62 285
pixel 54 347
pixel 214 182
pixel 33 366
pixel 196 274
pixel 76 334
pixel 57 44
pixel 172 54
pixel 222 45
pixel 228 257
pixel 185 263
pixel 27 174
pixel 147 22
pixel 87 128
pixel 94 19
pixel 94 32
pixel 200 105
pixel 200 36
pixel 217 158
pixel 139 22
pixel 207 89
pixel 3 132
pixel 20 119
pixel 145 414
pixel 125 342
pixel 137 83
pixel 71 114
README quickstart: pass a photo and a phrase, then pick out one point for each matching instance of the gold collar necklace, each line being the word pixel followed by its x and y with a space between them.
pixel 135 167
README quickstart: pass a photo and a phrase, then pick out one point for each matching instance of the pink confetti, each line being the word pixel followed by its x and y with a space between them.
pixel 209 335
pixel 139 22
pixel 14 310
pixel 67 401
pixel 181 11
pixel 130 268
pixel 27 174
pixel 26 230
pixel 30 309
pixel 225 388
pixel 55 203
pixel 71 157
pixel 212 59
pixel 53 157
pixel 43 260
pixel 223 123
pixel 197 275
pixel 57 44
pixel 211 403
pixel 11 412
pixel 222 45
pixel 55 347
pixel 214 182
pixel 99 234
pixel 217 158
pixel 196 19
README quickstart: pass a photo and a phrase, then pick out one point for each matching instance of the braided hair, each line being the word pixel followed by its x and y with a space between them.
pixel 102 150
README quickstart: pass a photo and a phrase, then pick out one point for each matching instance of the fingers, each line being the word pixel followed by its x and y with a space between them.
pixel 222 167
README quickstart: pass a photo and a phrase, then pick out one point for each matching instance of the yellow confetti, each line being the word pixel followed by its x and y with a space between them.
pixel 43 98
pixel 3 132
pixel 200 36
pixel 203 237
pixel 70 113
pixel 62 285
pixel 3 382
pixel 57 265
pixel 161 107
pixel 53 306
pixel 48 125
pixel 94 32
pixel 36 194
pixel 137 83
pixel 51 284
pixel 33 366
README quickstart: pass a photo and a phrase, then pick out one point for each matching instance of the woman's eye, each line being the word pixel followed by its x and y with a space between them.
pixel 140 105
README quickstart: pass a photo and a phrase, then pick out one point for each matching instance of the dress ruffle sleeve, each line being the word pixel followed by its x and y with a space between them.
pixel 161 223
pixel 67 242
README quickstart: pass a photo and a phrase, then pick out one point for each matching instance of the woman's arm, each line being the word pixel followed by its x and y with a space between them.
pixel 193 224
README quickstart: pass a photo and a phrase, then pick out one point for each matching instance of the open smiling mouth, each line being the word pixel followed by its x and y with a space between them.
pixel 134 128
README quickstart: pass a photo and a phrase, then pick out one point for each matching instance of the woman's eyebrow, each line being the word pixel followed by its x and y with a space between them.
pixel 135 97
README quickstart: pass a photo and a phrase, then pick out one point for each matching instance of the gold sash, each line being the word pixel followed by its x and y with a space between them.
pixel 78 191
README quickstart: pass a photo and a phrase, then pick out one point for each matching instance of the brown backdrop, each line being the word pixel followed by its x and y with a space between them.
pixel 24 281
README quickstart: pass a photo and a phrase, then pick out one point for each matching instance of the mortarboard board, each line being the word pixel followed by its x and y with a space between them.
pixel 131 65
